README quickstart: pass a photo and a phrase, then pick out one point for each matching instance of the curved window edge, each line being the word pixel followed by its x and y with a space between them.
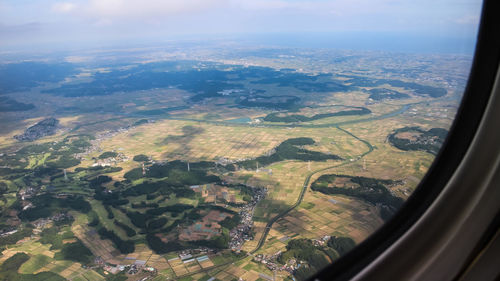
pixel 465 127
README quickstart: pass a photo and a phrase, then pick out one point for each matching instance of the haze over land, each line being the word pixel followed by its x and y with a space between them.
pixel 219 139
pixel 410 26
pixel 205 160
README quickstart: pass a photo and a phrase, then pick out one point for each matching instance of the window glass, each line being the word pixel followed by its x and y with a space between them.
pixel 217 139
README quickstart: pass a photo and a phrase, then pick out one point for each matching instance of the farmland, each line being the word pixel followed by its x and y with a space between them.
pixel 199 169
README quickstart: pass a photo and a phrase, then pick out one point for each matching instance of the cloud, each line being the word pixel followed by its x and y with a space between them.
pixel 468 19
pixel 118 10
pixel 315 6
pixel 63 7
pixel 382 14
pixel 102 20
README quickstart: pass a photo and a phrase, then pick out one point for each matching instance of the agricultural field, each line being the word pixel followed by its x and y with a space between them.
pixel 41 259
pixel 211 168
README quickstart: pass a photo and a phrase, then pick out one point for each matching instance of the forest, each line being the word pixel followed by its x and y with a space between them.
pixel 289 150
pixel 303 249
pixel 9 105
pixel 429 141
pixel 372 190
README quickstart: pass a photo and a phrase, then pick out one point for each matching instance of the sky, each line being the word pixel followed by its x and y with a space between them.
pixel 54 23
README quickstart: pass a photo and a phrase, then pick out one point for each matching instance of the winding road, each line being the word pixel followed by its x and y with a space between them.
pixel 304 189
pixel 308 177
pixel 307 180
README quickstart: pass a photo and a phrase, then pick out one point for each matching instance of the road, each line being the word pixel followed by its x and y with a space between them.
pixel 308 177
pixel 305 185
pixel 304 189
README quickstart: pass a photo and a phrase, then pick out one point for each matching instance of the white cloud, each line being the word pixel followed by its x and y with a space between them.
pixel 63 7
pixel 111 10
pixel 468 19
pixel 314 6
pixel 105 19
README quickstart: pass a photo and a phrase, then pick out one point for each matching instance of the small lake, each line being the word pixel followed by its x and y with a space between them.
pixel 240 120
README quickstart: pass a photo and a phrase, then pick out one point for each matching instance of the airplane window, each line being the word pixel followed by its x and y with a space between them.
pixel 217 139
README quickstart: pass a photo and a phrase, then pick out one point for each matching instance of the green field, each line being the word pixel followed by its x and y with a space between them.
pixel 244 128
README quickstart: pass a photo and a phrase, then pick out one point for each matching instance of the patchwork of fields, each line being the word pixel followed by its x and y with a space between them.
pixel 157 168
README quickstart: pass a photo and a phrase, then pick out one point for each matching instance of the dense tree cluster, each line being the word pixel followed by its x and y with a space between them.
pixel 176 178
pixel 60 154
pixel 430 141
pixel 156 223
pixel 160 247
pixel 24 75
pixel 382 93
pixel 102 194
pixel 304 250
pixel 304 82
pixel 9 105
pixel 94 221
pixel 153 226
pixel 341 244
pixel 123 246
pixel 141 158
pixel 422 90
pixel 290 150
pixel 230 222
pixel 111 215
pixel 273 102
pixel 46 205
pixel 13 238
pixel 108 154
pixel 140 122
pixel 130 231
pixel 139 219
pixel 76 252
pixel 245 191
pixel 368 189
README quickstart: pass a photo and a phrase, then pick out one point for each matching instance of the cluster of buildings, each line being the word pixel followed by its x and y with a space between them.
pixel 189 253
pixel 41 223
pixel 27 192
pixel 111 161
pixel 132 269
pixel 94 144
pixel 7 232
pixel 292 265
pixel 435 112
pixel 242 232
pixel 224 161
pixel 270 261
pixel 322 241
pixel 229 92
